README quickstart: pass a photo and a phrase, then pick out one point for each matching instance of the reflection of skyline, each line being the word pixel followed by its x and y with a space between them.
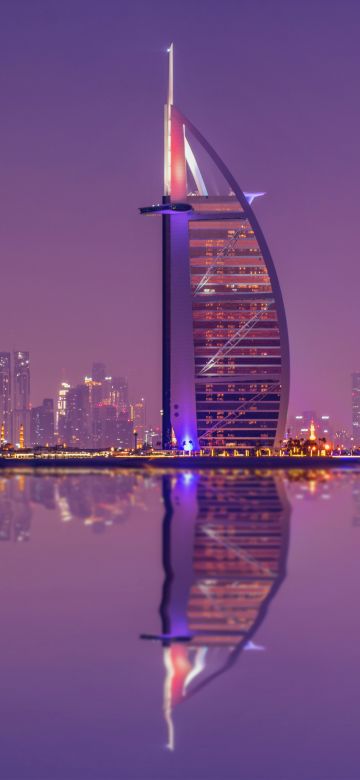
pixel 313 484
pixel 97 500
pixel 225 541
pixel 103 499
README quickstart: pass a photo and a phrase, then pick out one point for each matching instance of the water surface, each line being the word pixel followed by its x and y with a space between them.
pixel 185 626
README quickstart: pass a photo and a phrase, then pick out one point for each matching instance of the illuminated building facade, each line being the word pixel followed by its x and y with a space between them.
pixel 138 416
pixel 110 409
pixel 21 386
pixel 61 411
pixel 120 394
pixel 225 342
pixel 77 421
pixel 5 394
pixel 95 413
pixel 356 407
pixel 42 424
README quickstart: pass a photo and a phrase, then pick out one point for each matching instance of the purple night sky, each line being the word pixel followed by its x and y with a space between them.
pixel 272 85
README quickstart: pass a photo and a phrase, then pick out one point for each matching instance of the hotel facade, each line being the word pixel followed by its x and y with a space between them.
pixel 225 340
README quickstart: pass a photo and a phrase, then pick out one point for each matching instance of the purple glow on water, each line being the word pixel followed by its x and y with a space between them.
pixel 82 576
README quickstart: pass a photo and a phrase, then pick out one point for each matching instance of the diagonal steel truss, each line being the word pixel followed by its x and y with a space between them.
pixel 223 253
pixel 232 415
pixel 236 338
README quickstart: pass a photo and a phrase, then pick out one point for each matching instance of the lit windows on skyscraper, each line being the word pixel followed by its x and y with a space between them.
pixel 21 389
pixel 42 424
pixel 225 341
pixel 5 394
pixel 138 416
pixel 61 411
pixel 356 407
pixel 77 432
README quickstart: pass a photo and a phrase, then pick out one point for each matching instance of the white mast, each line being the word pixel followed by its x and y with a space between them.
pixel 171 75
pixel 167 124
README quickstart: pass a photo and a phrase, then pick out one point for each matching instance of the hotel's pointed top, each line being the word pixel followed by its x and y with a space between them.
pixel 171 75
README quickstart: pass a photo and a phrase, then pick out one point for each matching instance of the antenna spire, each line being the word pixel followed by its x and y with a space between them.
pixel 171 75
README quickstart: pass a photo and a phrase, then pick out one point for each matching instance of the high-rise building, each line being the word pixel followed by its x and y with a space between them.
pixel 42 424
pixel 21 396
pixel 120 394
pixel 110 409
pixel 138 416
pixel 5 394
pixel 104 426
pixel 124 432
pixel 356 407
pixel 77 428
pixel 225 341
pixel 61 411
pixel 98 373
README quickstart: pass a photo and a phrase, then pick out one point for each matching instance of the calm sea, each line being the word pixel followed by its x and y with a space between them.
pixel 188 626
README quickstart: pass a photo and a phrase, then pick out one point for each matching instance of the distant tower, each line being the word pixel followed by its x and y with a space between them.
pixel 2 435
pixel 139 418
pixel 312 435
pixel 21 436
pixel 5 392
pixel 120 394
pixel 21 387
pixel 42 424
pixel 77 420
pixel 61 411
pixel 356 407
pixel 98 372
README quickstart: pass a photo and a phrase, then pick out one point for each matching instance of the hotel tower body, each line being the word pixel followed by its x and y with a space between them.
pixel 225 341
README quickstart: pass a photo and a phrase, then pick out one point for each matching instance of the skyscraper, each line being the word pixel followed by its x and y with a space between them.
pixel 138 415
pixel 21 389
pixel 42 424
pixel 98 375
pixel 356 407
pixel 5 393
pixel 225 341
pixel 98 372
pixel 77 431
pixel 61 411
pixel 120 394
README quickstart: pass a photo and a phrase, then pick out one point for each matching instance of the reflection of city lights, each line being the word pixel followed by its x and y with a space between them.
pixel 99 501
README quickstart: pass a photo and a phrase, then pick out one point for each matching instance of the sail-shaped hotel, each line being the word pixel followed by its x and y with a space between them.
pixel 225 341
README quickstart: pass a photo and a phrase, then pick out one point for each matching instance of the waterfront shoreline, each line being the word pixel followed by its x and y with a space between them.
pixel 181 462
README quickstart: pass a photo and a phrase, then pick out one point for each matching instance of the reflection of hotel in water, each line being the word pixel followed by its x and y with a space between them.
pixel 97 500
pixel 225 546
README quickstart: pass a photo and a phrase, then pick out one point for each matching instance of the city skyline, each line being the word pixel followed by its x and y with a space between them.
pixel 298 420
pixel 97 411
pixel 65 259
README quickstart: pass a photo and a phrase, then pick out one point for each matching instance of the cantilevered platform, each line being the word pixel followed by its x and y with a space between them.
pixel 166 208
